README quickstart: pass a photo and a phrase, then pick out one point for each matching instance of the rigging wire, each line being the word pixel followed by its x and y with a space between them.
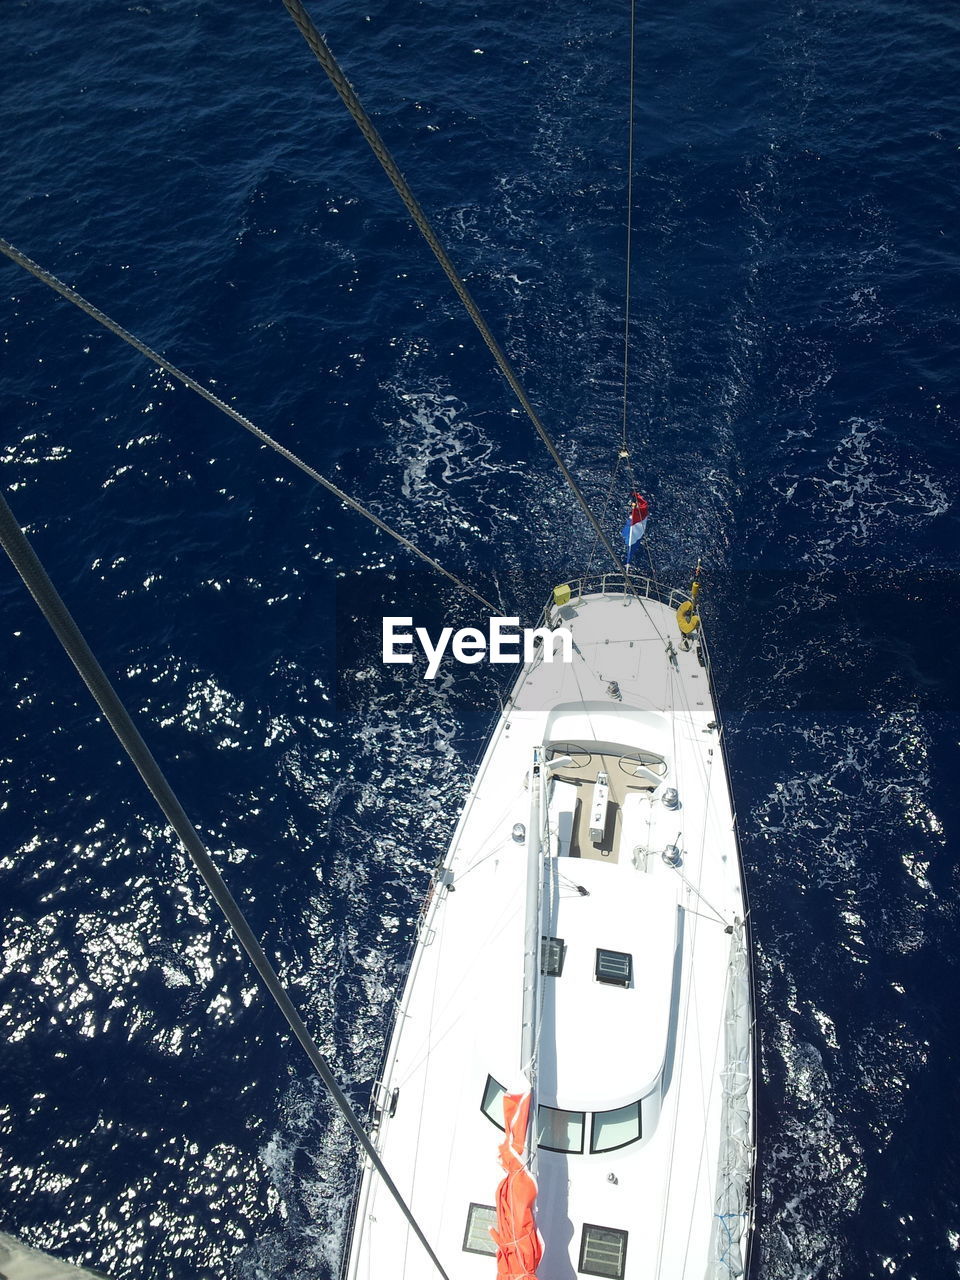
pixel 318 45
pixel 626 317
pixel 603 514
pixel 25 561
pixel 624 454
pixel 101 318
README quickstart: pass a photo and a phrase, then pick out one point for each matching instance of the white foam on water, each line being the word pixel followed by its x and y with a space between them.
pixel 452 473
pixel 845 837
pixel 860 496
pixel 310 1163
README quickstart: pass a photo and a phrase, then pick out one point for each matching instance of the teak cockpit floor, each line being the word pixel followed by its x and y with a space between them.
pixel 584 776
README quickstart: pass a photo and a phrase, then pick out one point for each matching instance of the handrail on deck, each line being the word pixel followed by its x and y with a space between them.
pixel 619 583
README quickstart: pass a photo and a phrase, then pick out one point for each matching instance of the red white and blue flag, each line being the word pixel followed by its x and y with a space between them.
pixel 636 523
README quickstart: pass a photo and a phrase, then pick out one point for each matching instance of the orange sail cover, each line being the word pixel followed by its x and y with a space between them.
pixel 519 1246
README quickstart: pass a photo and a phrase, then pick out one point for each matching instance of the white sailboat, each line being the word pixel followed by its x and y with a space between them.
pixel 616 990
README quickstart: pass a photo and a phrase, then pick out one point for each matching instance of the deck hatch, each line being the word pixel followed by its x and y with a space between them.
pixel 614 967
pixel 603 1251
pixel 477 1237
pixel 553 951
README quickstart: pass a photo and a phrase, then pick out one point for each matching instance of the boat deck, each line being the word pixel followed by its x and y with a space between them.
pixel 650 1047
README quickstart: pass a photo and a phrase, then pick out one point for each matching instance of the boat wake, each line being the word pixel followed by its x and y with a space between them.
pixel 843 852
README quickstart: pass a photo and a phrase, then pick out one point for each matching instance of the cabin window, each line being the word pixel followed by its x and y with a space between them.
pixel 617 1128
pixel 477 1237
pixel 552 954
pixel 614 967
pixel 560 1130
pixel 603 1252
pixel 492 1104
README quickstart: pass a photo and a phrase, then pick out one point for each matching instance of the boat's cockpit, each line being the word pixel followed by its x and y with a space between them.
pixel 597 789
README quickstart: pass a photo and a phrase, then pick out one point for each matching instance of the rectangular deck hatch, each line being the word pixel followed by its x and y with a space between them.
pixel 614 967
pixel 552 952
pixel 603 1252
pixel 477 1237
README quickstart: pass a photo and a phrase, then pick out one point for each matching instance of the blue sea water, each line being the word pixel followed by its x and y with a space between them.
pixel 794 417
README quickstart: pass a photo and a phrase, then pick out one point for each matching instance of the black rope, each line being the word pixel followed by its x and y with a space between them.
pixel 624 454
pixel 95 313
pixel 314 39
pixel 27 564
pixel 604 510
pixel 626 310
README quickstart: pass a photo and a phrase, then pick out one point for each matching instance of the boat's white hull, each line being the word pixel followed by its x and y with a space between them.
pixel 661 1061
